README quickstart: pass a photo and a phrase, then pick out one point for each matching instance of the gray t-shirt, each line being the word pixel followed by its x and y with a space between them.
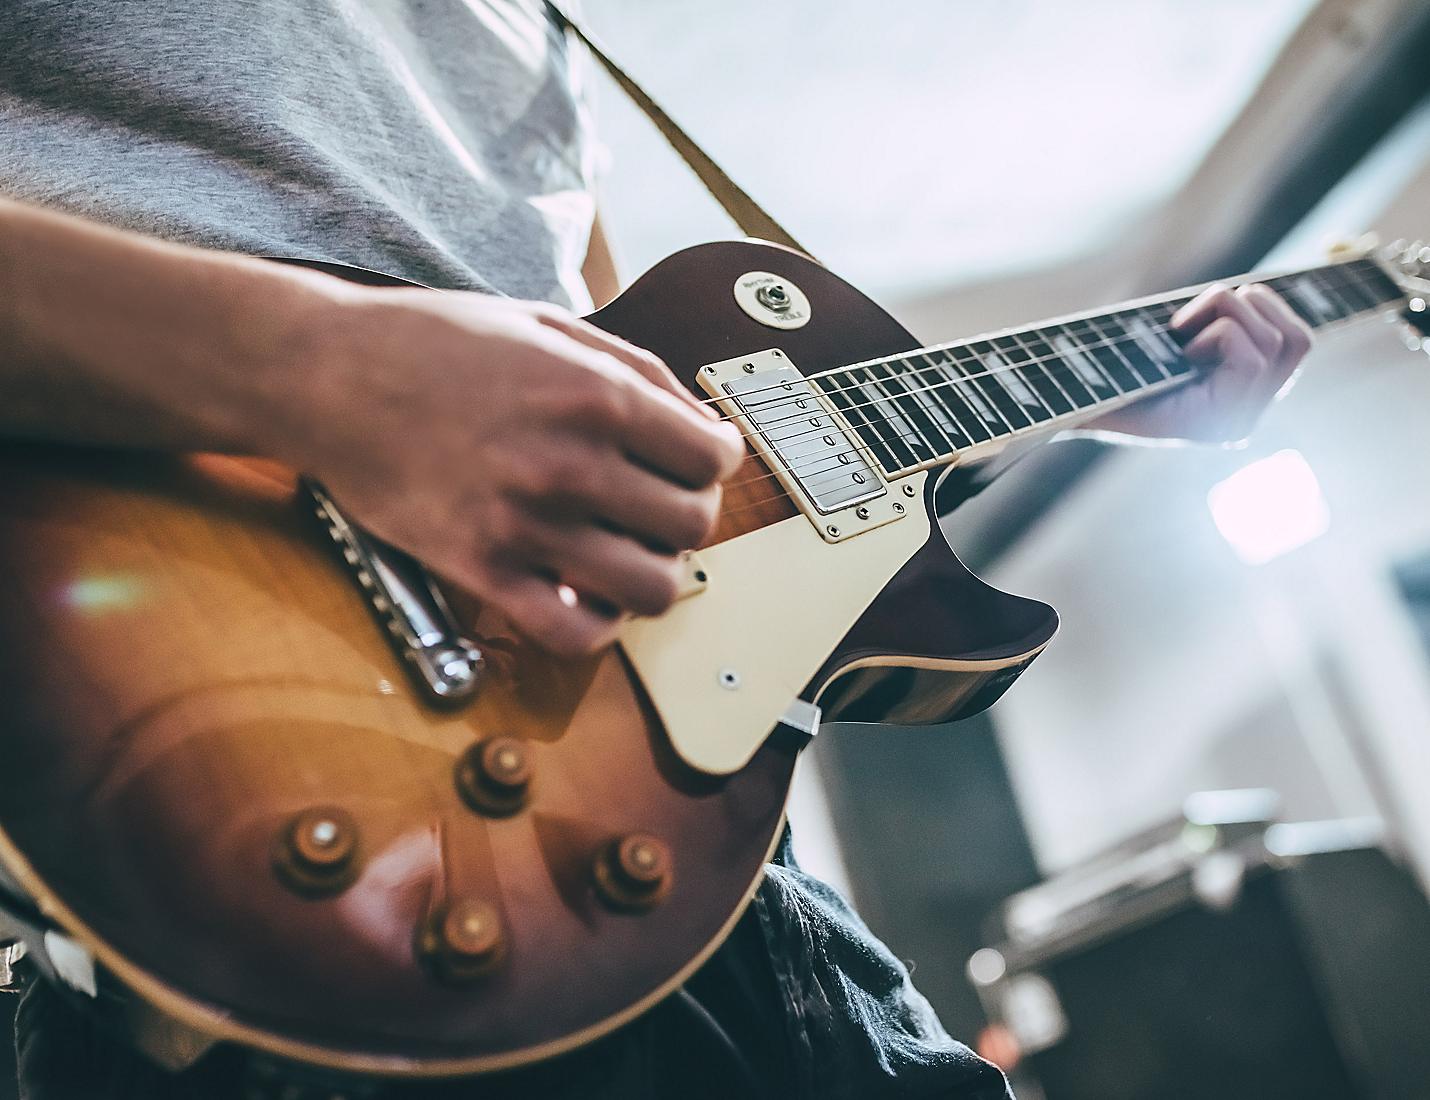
pixel 441 140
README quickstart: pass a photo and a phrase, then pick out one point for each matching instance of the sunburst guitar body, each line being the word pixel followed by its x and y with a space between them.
pixel 263 782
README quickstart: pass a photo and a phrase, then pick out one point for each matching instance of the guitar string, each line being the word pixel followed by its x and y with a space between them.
pixel 1355 268
pixel 1056 361
pixel 917 435
pixel 1049 424
pixel 1049 362
pixel 990 428
pixel 1350 267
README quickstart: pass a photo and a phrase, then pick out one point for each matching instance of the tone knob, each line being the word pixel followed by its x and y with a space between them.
pixel 634 872
pixel 462 941
pixel 494 775
pixel 316 852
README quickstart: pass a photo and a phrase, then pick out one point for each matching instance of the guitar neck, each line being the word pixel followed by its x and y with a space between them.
pixel 925 407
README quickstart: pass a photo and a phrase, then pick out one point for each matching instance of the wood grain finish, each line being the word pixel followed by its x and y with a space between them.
pixel 187 668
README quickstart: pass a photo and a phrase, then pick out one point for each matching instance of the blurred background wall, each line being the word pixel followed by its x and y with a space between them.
pixel 978 164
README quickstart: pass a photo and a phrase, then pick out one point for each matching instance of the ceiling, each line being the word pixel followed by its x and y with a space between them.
pixel 949 143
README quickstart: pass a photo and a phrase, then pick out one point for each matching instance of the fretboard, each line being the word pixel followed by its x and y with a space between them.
pixel 924 407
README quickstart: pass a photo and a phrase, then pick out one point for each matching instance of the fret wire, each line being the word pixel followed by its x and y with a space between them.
pixel 1159 316
pixel 1137 376
pixel 1355 269
pixel 1105 342
pixel 939 405
pixel 1108 342
pixel 963 381
pixel 1347 297
pixel 1376 282
pixel 1364 279
pixel 895 416
pixel 1141 329
pixel 1031 361
pixel 1008 405
pixel 1020 371
pixel 1336 295
pixel 1076 365
pixel 951 391
pixel 1071 384
pixel 863 426
pixel 924 409
pixel 1081 366
pixel 894 468
pixel 1075 342
pixel 903 410
pixel 976 382
pixel 1042 363
pixel 1304 304
pixel 1354 297
pixel 1112 344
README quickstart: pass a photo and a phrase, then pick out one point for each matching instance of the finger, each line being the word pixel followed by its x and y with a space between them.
pixel 653 510
pixel 1296 333
pixel 678 443
pixel 612 568
pixel 645 363
pixel 657 512
pixel 1218 301
pixel 551 616
pixel 587 481
pixel 1234 393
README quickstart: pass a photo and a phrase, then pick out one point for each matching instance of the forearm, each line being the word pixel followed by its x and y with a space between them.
pixel 113 338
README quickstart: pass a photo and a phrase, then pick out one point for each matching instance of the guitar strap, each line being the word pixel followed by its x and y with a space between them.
pixel 749 215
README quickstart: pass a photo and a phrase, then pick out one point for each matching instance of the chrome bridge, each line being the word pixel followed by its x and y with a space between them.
pixel 807 444
pixel 401 593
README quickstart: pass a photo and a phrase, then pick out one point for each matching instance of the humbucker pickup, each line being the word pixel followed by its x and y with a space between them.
pixel 825 468
pixel 818 454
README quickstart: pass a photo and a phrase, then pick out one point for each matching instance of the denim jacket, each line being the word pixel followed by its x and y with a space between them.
pixel 800 1002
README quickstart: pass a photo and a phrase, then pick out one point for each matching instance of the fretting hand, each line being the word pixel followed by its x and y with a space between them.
pixel 1247 343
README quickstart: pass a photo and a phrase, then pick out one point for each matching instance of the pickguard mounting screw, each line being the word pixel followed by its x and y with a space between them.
pixel 709 370
pixel 729 679
pixel 899 508
pixel 862 513
pixel 908 490
pixel 833 531
pixel 749 368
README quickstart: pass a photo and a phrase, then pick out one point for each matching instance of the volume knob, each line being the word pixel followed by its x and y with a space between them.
pixel 494 776
pixel 462 941
pixel 634 872
pixel 316 851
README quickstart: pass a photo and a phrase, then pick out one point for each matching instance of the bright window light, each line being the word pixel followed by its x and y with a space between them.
pixel 1269 507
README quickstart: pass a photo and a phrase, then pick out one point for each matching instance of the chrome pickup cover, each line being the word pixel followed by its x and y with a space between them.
pixel 827 464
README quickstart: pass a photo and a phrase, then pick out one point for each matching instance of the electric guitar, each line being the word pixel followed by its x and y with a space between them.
pixel 264 781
